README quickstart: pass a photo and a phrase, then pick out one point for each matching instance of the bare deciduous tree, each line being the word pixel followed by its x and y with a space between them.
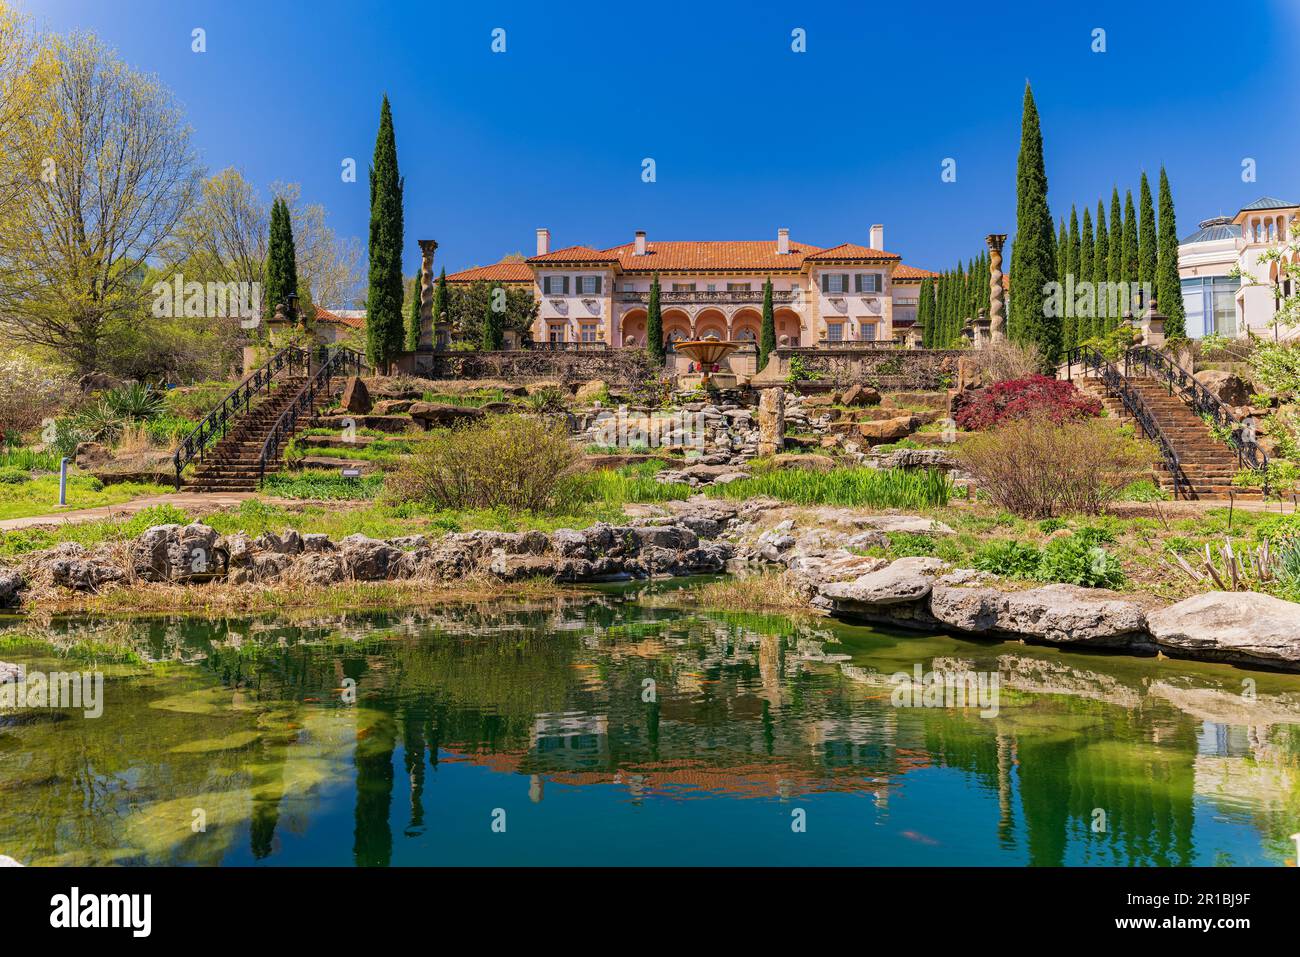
pixel 124 174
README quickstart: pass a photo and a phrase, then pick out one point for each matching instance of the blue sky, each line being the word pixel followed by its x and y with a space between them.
pixel 746 134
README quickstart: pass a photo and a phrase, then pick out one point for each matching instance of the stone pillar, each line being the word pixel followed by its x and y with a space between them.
pixel 997 293
pixel 1151 326
pixel 428 321
pixel 771 421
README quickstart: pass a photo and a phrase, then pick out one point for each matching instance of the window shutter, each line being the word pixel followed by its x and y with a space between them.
pixel 825 280
pixel 546 285
pixel 844 283
pixel 600 282
pixel 564 285
pixel 857 282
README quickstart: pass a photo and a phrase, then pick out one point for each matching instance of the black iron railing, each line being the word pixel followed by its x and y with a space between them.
pixel 238 402
pixel 1237 434
pixel 1117 383
pixel 339 360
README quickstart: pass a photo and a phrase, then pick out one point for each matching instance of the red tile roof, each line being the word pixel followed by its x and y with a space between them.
pixel 708 256
pixel 515 271
pixel 852 252
pixel 353 322
pixel 574 254
pixel 904 273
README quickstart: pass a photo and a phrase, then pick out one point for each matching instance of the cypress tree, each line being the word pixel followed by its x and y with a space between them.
pixel 492 326
pixel 440 301
pixel 925 313
pixel 384 298
pixel 1062 253
pixel 767 334
pixel 1130 245
pixel 1083 324
pixel 1147 254
pixel 1116 255
pixel 1033 261
pixel 413 317
pixel 1100 270
pixel 1169 293
pixel 1069 322
pixel 958 305
pixel 281 258
pixel 654 324
pixel 945 313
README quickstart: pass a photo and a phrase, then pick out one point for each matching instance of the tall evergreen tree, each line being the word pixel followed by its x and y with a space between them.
pixel 440 300
pixel 1069 322
pixel 413 317
pixel 1033 261
pixel 1062 253
pixel 1100 270
pixel 654 324
pixel 384 299
pixel 493 327
pixel 1147 255
pixel 925 313
pixel 1083 323
pixel 767 334
pixel 1169 293
pixel 281 258
pixel 1130 245
pixel 1116 255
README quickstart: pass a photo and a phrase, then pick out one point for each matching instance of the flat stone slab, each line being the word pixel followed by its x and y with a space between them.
pixel 903 580
pixel 906 523
pixel 1248 627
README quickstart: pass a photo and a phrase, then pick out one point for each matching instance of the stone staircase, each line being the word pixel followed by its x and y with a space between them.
pixel 231 464
pixel 1208 464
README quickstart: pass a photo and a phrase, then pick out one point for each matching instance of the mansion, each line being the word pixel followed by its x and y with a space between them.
pixel 1226 290
pixel 600 297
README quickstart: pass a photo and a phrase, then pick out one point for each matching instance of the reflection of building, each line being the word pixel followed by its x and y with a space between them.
pixel 571 741
pixel 1213 260
pixel 601 296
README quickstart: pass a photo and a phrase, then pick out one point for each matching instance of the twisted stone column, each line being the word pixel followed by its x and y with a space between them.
pixel 997 294
pixel 427 320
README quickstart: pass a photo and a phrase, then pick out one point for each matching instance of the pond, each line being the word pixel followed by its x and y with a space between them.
pixel 618 729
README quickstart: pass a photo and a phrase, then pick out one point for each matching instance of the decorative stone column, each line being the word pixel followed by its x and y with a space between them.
pixel 427 319
pixel 771 421
pixel 997 293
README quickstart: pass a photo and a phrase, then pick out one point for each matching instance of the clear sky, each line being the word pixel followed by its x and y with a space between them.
pixel 747 135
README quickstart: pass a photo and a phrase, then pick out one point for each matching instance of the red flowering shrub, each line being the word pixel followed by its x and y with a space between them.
pixel 1054 399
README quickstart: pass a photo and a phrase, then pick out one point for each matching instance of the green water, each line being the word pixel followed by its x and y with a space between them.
pixel 528 734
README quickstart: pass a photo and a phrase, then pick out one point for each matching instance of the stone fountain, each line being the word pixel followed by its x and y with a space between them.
pixel 708 354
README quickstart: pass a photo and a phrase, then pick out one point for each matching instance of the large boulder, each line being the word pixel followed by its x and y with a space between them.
pixel 91 455
pixel 369 559
pixel 903 580
pixel 1248 627
pixel 808 461
pixel 432 415
pixel 590 391
pixel 1060 614
pixel 919 459
pixel 356 397
pixel 859 395
pixel 11 583
pixel 69 565
pixel 888 430
pixel 1227 388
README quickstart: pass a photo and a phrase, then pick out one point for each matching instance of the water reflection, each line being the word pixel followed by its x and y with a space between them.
pixel 611 731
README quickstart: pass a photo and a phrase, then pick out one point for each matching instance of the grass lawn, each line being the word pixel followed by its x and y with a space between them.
pixel 40 496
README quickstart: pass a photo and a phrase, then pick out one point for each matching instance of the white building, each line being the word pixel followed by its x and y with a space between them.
pixel 1226 290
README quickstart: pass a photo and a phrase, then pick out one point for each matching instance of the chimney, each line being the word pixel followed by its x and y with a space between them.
pixel 878 237
pixel 782 241
pixel 543 242
pixel 640 242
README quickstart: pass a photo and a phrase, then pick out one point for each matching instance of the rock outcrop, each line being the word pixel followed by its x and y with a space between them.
pixel 1231 626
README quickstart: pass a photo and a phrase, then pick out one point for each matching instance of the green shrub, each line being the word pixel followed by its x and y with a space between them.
pixel 320 484
pixel 911 544
pixel 1049 525
pixel 1077 559
pixel 13 476
pixel 133 401
pixel 1010 559
pixel 508 461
